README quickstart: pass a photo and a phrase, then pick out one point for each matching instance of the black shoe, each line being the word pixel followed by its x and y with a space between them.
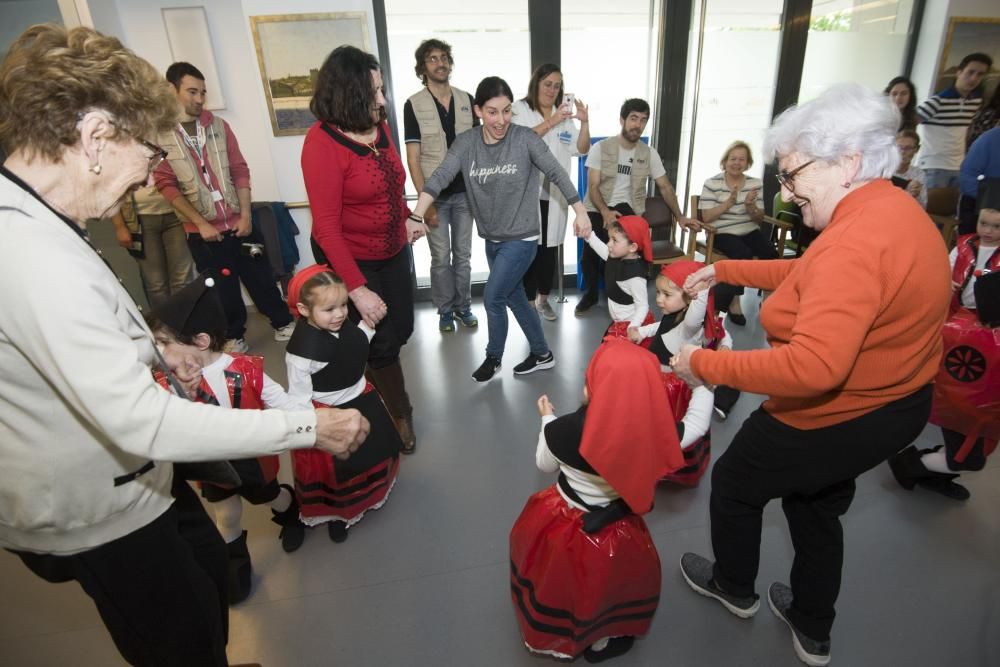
pixel 946 486
pixel 586 303
pixel 535 363
pixel 725 400
pixel 698 572
pixel 737 318
pixel 240 569
pixel 810 651
pixel 616 646
pixel 293 531
pixel 487 369
pixel 337 530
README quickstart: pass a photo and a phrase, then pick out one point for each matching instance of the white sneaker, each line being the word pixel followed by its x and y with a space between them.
pixel 238 345
pixel 284 333
pixel 545 310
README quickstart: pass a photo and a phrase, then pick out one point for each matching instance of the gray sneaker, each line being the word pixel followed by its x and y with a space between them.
pixel 697 572
pixel 545 310
pixel 810 651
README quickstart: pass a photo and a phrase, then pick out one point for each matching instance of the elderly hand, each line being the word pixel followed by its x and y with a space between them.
pixel 369 304
pixel 340 432
pixel 415 231
pixel 751 198
pixel 690 223
pixel 700 280
pixel 681 365
pixel 545 406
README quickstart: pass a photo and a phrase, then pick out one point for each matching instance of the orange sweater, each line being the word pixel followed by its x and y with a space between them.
pixel 854 324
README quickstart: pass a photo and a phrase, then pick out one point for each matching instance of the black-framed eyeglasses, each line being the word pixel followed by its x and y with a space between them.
pixel 158 153
pixel 787 178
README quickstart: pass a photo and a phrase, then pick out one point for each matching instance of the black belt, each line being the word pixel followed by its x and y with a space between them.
pixel 597 517
pixel 125 479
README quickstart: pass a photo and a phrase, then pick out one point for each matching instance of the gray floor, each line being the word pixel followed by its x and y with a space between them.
pixel 424 581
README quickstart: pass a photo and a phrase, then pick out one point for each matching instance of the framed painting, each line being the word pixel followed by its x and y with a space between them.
pixel 290 50
pixel 970 35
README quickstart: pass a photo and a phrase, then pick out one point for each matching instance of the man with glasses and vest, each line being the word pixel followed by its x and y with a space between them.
pixel 431 120
pixel 207 181
pixel 617 171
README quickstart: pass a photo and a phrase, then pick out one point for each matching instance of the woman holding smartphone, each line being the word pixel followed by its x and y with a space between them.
pixel 549 113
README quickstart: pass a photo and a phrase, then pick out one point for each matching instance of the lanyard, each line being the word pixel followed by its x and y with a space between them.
pixel 197 145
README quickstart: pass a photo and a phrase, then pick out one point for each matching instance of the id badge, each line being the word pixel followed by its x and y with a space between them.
pixel 216 196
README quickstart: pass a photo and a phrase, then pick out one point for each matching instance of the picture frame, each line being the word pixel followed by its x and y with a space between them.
pixel 190 41
pixel 969 34
pixel 291 49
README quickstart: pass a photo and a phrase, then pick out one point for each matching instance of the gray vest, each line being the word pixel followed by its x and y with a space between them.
pixel 433 143
pixel 609 173
pixel 190 181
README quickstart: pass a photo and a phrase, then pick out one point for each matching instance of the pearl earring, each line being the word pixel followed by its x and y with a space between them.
pixel 96 169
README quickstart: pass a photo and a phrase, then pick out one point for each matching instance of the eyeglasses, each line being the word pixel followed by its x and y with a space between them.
pixel 158 153
pixel 787 178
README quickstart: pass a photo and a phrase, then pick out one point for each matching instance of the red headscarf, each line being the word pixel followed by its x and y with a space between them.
pixel 637 230
pixel 629 434
pixel 677 273
pixel 296 283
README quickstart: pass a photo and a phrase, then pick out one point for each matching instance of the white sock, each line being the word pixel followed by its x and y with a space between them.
pixel 283 501
pixel 229 518
pixel 600 644
pixel 936 462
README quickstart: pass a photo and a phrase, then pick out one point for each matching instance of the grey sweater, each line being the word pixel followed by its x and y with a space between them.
pixel 501 180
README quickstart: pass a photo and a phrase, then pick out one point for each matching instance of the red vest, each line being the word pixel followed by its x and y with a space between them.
pixel 965 263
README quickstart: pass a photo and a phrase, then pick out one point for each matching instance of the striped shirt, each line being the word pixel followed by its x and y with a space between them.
pixel 736 220
pixel 943 121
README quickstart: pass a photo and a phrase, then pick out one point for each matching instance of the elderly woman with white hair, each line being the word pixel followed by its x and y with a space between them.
pixel 854 332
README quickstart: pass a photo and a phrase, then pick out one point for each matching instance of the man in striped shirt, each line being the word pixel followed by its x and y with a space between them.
pixel 944 119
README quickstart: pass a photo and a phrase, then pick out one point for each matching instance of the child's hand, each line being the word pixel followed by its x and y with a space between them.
pixel 545 406
pixel 634 335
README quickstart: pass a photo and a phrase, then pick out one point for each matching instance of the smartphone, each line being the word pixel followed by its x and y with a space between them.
pixel 568 101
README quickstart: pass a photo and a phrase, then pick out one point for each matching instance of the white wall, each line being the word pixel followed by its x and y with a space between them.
pixel 18 15
pixel 933 31
pixel 274 161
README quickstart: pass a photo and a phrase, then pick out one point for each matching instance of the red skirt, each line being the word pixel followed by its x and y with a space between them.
pixel 620 330
pixel 698 455
pixel 571 588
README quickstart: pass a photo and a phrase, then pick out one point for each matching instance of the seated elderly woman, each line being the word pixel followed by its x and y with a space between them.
pixel 732 203
pixel 85 432
pixel 854 332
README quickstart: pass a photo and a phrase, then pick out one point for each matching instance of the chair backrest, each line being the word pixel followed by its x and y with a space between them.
pixel 942 201
pixel 786 211
pixel 657 212
pixel 695 211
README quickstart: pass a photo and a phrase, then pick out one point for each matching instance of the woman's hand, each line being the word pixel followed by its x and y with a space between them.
pixel 581 221
pixel 700 280
pixel 415 231
pixel 734 195
pixel 681 365
pixel 123 236
pixel 545 407
pixel 369 304
pixel 581 114
pixel 751 198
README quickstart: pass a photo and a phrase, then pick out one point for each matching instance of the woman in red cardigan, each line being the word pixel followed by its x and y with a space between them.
pixel 354 180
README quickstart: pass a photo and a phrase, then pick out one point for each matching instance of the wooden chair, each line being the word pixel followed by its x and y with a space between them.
pixel 668 237
pixel 707 247
pixel 942 207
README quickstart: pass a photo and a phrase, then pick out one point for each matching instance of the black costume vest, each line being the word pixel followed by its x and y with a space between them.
pixel 618 269
pixel 346 354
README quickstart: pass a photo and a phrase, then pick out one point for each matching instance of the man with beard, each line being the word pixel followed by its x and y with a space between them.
pixel 431 119
pixel 617 169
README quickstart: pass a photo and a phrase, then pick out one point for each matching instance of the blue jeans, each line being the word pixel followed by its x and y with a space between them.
pixel 509 261
pixel 451 249
pixel 941 178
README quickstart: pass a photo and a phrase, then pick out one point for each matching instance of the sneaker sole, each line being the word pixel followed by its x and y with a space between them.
pixel 720 414
pixel 539 367
pixel 733 609
pixel 800 651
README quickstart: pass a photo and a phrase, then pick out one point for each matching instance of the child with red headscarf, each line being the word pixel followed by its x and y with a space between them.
pixel 585 574
pixel 627 255
pixel 326 359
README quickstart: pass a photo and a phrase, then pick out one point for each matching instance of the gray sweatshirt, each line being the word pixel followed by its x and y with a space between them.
pixel 501 180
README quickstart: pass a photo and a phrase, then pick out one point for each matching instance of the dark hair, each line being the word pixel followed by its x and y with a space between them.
pixel 490 87
pixel 909 112
pixel 344 94
pixel 540 73
pixel 907 133
pixel 633 104
pixel 616 227
pixel 424 50
pixel 321 279
pixel 977 57
pixel 217 339
pixel 181 69
pixel 994 102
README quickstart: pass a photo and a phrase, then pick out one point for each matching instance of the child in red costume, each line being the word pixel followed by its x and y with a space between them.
pixel 627 256
pixel 585 574
pixel 326 358
pixel 193 322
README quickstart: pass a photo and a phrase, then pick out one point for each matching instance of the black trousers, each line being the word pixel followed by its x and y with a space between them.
pixel 255 273
pixel 161 590
pixel 813 473
pixel 748 246
pixel 392 280
pixel 591 265
pixel 538 279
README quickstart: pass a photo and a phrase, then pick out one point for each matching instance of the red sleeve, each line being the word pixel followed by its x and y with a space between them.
pixel 238 168
pixel 166 181
pixel 323 169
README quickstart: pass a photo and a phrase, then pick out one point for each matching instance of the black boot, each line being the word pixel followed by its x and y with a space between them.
pixel 337 530
pixel 907 467
pixel 240 569
pixel 293 531
pixel 391 386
